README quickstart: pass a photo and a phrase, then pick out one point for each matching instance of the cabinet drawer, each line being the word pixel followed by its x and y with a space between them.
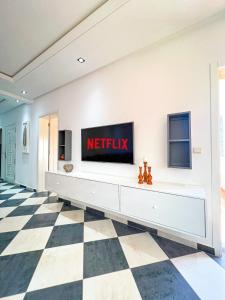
pixel 53 183
pixel 106 195
pixel 90 192
pixel 182 213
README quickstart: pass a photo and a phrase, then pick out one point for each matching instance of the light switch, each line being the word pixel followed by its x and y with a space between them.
pixel 197 150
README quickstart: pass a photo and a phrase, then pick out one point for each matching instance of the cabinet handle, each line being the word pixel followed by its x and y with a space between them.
pixel 153 206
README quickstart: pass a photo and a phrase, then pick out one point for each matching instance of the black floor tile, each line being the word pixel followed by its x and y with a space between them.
pixel 6 238
pixel 68 291
pixel 102 257
pixel 67 207
pixel 173 249
pixel 10 203
pixel 16 272
pixel 65 235
pixel 24 210
pixel 123 229
pixel 6 196
pixel 161 281
pixel 1 191
pixel 88 217
pixel 40 194
pixel 95 211
pixel 41 220
pixel 152 231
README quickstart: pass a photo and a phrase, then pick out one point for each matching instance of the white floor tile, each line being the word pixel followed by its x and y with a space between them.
pixel 141 249
pixel 14 297
pixel 49 208
pixel 99 230
pixel 12 191
pixel 28 240
pixel 13 223
pixel 5 211
pixel 113 286
pixel 34 201
pixel 203 274
pixel 21 196
pixel 58 265
pixel 70 217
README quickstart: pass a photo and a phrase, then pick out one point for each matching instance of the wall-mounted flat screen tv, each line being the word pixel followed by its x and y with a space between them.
pixel 112 143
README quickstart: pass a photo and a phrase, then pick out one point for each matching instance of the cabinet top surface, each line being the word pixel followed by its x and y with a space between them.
pixel 193 191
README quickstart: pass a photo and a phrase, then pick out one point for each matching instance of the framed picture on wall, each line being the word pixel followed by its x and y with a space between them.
pixel 26 137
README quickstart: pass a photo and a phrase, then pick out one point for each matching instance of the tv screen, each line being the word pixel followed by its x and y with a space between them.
pixel 113 143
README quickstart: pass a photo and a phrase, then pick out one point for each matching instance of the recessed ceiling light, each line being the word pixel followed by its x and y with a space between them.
pixel 23 92
pixel 17 100
pixel 81 60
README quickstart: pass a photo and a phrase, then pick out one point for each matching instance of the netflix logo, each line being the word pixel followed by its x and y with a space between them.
pixel 107 143
pixel 112 143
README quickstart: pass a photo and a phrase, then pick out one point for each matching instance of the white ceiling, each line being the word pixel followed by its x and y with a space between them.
pixel 8 101
pixel 100 31
pixel 29 27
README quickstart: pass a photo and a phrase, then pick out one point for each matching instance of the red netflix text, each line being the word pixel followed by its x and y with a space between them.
pixel 107 143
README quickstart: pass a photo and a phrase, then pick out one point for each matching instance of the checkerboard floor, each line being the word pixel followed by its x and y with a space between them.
pixel 49 250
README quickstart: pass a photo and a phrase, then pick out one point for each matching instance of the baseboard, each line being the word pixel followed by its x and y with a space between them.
pixel 205 248
pixel 95 211
pixel 26 187
pixel 142 227
pixel 67 202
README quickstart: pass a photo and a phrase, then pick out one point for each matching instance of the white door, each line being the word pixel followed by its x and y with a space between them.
pixel 10 152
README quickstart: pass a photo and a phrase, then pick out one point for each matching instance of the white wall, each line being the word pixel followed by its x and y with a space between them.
pixel 222 131
pixel 144 88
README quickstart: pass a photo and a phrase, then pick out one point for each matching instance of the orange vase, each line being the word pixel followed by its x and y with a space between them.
pixel 149 176
pixel 140 176
pixel 145 174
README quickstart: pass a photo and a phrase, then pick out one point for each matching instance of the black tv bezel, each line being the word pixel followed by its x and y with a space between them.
pixel 110 162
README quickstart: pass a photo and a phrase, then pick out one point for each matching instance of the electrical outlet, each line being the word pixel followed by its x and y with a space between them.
pixel 197 150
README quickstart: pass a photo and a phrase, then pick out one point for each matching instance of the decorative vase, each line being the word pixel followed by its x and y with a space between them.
pixel 68 168
pixel 149 176
pixel 140 177
pixel 145 174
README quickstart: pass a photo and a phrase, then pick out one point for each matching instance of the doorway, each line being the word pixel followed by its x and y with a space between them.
pixel 10 153
pixel 47 147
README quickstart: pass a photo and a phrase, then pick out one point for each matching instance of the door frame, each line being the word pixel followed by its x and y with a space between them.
pixel 215 156
pixel 4 139
pixel 38 135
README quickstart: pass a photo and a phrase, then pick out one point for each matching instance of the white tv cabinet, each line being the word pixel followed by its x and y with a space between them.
pixel 180 208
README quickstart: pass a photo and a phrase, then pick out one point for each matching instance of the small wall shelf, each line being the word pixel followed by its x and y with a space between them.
pixel 65 145
pixel 179 140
